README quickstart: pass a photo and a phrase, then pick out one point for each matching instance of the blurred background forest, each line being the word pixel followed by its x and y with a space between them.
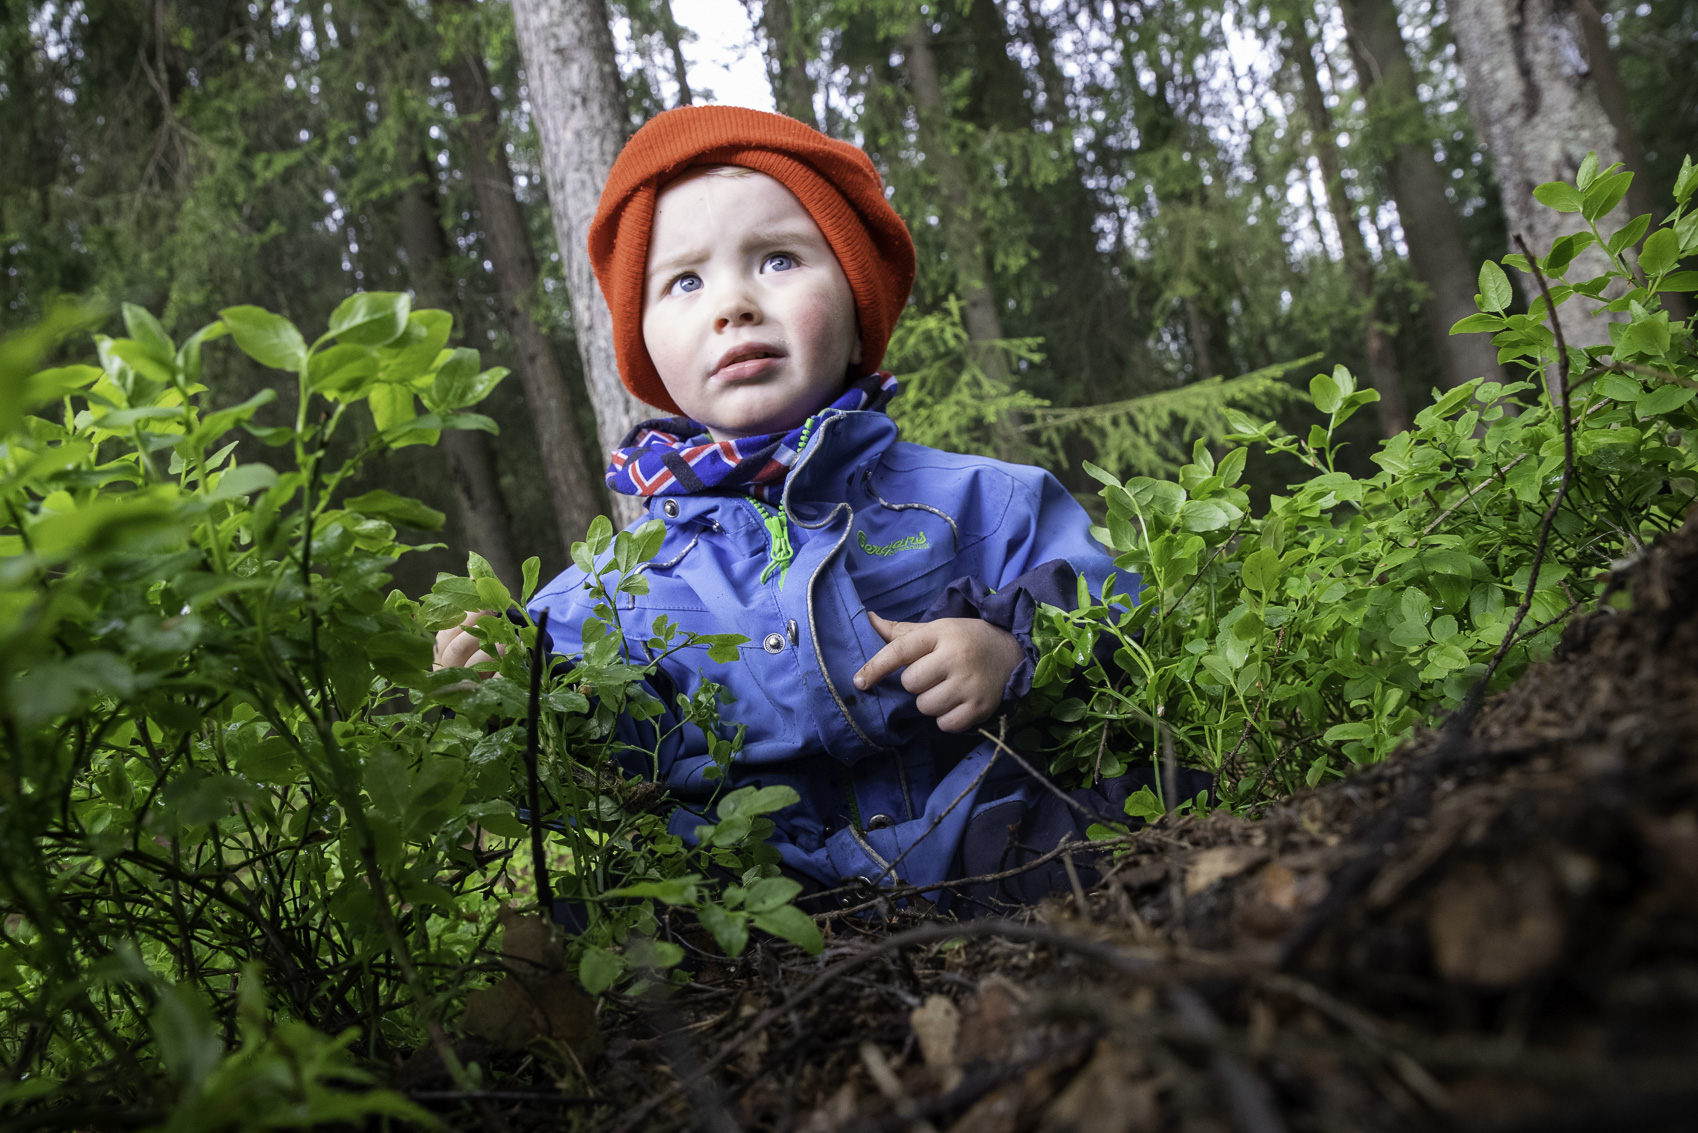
pixel 1114 201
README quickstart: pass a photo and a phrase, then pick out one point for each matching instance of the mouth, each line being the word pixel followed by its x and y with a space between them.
pixel 746 361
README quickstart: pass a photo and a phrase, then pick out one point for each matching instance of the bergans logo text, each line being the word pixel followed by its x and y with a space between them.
pixel 910 543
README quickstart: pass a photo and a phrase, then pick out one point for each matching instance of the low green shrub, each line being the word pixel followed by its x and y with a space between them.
pixel 1282 646
pixel 250 844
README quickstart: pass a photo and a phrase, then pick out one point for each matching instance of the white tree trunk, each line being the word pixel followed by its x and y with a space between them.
pixel 578 105
pixel 1533 93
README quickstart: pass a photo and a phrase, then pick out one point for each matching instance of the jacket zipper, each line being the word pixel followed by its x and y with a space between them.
pixel 779 551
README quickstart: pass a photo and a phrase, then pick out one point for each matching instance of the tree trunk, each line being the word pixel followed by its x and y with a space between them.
pixel 484 515
pixel 675 43
pixel 966 256
pixel 578 106
pixel 1534 93
pixel 1437 250
pixel 576 494
pixel 787 62
pixel 1382 363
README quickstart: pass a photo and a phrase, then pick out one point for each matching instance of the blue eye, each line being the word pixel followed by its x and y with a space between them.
pixel 686 283
pixel 779 262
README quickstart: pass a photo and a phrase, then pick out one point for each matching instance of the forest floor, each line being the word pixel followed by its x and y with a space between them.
pixel 1495 929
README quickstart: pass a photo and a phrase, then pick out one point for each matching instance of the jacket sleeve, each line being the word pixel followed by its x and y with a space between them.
pixel 1047 548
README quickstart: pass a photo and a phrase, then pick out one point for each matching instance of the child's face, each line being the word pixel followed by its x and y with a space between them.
pixel 746 312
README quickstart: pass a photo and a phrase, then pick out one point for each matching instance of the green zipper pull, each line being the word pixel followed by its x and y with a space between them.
pixel 778 535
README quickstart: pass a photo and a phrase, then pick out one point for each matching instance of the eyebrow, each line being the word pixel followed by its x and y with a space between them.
pixel 690 256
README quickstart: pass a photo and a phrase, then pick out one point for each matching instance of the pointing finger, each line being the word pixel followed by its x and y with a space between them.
pixel 904 650
pixel 888 629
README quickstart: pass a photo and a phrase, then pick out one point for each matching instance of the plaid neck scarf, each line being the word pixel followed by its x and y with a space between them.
pixel 675 456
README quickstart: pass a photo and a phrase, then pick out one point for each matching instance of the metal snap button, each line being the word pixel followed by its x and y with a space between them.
pixel 880 821
pixel 774 643
pixel 670 507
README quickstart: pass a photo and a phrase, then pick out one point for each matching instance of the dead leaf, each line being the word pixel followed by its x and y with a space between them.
pixel 937 1024
pixel 1493 935
pixel 1112 1094
pixel 1220 863
pixel 539 1001
pixel 987 1027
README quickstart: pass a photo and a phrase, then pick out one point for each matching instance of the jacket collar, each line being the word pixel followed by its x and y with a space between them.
pixel 838 442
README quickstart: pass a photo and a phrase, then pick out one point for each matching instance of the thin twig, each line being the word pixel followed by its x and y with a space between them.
pixel 898 892
pixel 1045 782
pixel 1479 690
pixel 539 859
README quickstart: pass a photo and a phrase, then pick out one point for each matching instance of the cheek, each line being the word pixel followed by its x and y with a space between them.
pixel 827 320
pixel 665 343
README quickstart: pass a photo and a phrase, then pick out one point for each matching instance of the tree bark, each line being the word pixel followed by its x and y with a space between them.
pixel 577 103
pixel 787 62
pixel 1382 362
pixel 1437 251
pixel 576 494
pixel 966 255
pixel 484 515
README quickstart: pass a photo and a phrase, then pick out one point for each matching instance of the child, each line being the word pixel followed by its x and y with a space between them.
pixel 754 272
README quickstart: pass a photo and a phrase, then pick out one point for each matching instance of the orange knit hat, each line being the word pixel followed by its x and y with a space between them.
pixel 834 180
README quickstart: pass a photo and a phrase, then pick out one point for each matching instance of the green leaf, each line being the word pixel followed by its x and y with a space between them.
pixel 1559 195
pixel 1686 181
pixel 371 318
pixel 391 406
pixel 1479 323
pixel 1660 253
pixel 1663 399
pixel 383 504
pixel 145 329
pixel 1261 571
pixel 1680 281
pixel 730 930
pixel 1339 733
pixel 271 340
pixel 1619 387
pixel 1495 292
pixel 599 969
pixel 792 924
pixel 1143 804
pixel 1207 515
pixel 1588 171
pixel 1629 234
pixel 1324 392
pixel 1605 193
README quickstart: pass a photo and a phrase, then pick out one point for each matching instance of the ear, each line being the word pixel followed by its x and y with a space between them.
pixel 855 351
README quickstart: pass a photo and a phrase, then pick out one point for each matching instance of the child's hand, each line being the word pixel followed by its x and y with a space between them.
pixel 455 648
pixel 957 667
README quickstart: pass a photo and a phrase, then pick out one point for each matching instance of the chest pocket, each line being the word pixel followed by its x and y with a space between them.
pixel 900 561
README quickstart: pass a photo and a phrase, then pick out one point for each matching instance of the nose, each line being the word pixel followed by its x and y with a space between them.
pixel 738 309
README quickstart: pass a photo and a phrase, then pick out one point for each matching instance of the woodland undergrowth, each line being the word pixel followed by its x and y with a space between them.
pixel 253 849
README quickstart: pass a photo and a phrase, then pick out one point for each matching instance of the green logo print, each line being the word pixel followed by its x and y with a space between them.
pixel 908 543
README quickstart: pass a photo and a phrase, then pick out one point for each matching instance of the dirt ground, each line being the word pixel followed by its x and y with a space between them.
pixel 1496 929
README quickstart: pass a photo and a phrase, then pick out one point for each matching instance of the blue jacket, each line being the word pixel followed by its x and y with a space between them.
pixel 874 523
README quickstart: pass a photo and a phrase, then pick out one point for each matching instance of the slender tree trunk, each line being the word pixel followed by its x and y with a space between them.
pixel 1437 251
pixel 787 62
pixel 578 105
pixel 1382 362
pixel 966 255
pixel 576 494
pixel 484 515
pixel 674 37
